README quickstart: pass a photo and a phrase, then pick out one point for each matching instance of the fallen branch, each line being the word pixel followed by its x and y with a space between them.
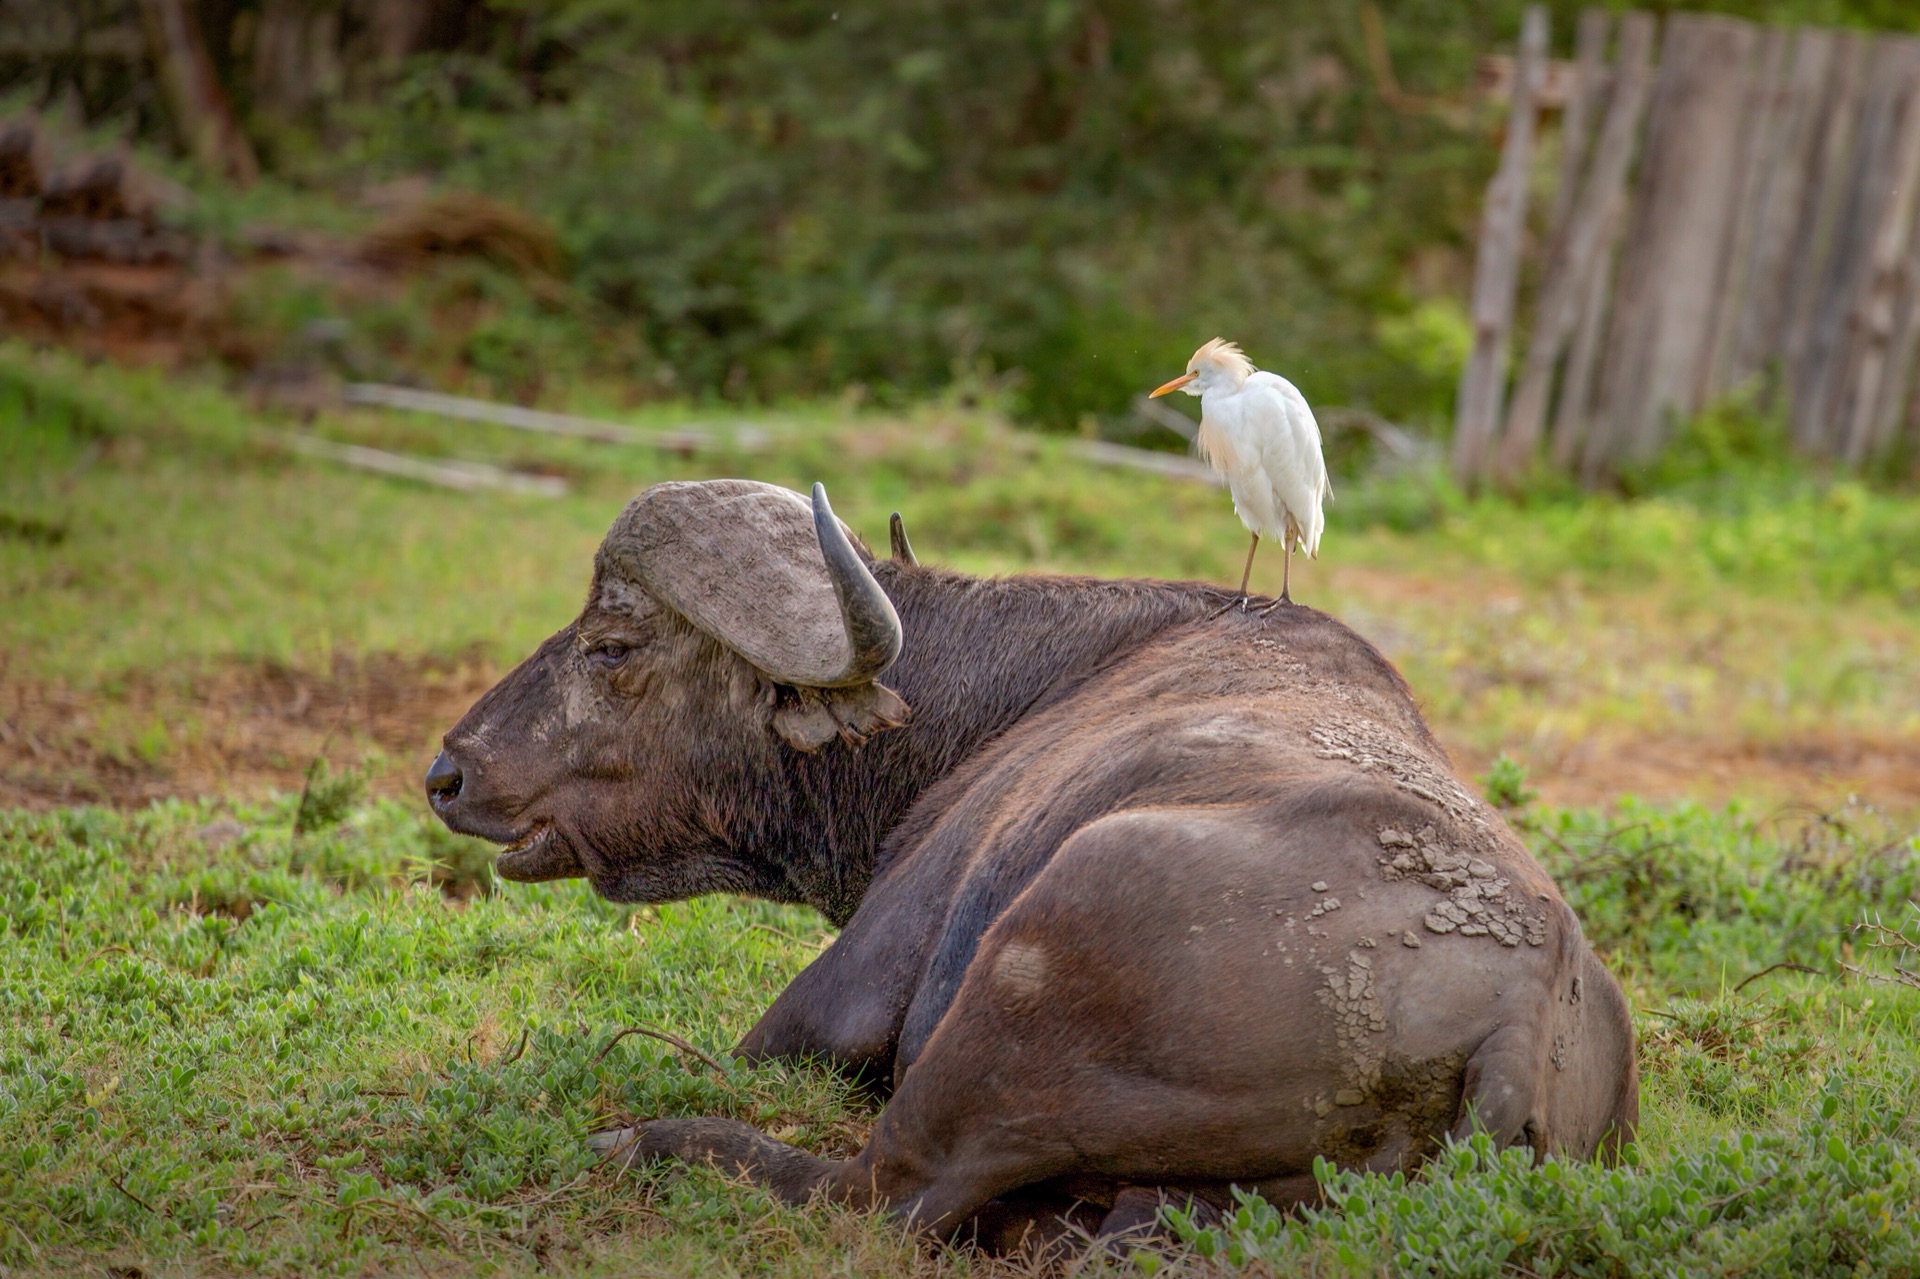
pixel 686 440
pixel 467 477
pixel 1170 465
pixel 673 1041
pixel 1161 415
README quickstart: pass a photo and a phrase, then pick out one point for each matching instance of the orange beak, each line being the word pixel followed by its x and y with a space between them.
pixel 1174 385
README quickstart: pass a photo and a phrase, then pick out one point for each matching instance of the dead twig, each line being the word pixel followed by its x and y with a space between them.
pixel 673 1041
pixel 1791 967
pixel 117 1185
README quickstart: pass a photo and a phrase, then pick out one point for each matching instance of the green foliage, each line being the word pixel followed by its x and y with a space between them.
pixel 787 199
pixel 1690 895
pixel 258 1055
pixel 1505 784
pixel 1815 1201
pixel 327 797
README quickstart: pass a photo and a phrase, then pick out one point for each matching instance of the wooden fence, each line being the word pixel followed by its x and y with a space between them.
pixel 1735 216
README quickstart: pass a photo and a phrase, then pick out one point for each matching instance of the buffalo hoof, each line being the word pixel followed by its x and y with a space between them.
pixel 618 1146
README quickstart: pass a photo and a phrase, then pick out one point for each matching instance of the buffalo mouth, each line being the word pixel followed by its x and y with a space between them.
pixel 538 855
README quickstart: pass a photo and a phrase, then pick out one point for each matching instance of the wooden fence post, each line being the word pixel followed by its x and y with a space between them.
pixel 1860 366
pixel 1575 275
pixel 1576 123
pixel 1683 204
pixel 1766 96
pixel 1843 303
pixel 1814 237
pixel 1785 193
pixel 1497 264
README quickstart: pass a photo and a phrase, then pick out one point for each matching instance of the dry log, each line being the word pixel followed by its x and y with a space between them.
pixel 23 159
pixel 1497 264
pixel 687 440
pixel 1171 465
pixel 468 477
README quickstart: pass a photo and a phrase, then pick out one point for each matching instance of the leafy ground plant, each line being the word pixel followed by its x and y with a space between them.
pixel 225 1048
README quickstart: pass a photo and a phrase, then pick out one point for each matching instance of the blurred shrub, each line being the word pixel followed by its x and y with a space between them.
pixel 787 198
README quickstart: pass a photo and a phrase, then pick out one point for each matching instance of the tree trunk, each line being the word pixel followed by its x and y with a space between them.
pixel 194 97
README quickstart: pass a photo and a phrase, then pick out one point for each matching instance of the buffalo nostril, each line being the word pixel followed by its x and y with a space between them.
pixel 443 780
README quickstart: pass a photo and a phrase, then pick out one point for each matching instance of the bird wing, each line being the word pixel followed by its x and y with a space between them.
pixel 1288 443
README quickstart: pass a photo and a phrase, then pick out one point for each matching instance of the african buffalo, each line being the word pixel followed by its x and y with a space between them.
pixel 1134 899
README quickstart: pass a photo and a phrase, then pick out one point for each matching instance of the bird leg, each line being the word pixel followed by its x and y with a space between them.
pixel 1245 574
pixel 1286 572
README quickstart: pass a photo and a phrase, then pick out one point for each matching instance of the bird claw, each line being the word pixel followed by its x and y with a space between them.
pixel 1284 599
pixel 1239 601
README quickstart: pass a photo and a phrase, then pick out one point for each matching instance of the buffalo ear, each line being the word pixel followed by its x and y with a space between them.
pixel 809 718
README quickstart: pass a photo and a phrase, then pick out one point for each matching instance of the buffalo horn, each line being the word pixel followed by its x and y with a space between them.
pixel 873 628
pixel 897 533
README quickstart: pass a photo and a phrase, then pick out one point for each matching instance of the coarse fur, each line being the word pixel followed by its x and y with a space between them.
pixel 1140 901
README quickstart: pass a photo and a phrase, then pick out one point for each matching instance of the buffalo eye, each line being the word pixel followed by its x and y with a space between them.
pixel 609 654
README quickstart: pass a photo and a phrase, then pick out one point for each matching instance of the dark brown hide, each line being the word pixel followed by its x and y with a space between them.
pixel 1138 898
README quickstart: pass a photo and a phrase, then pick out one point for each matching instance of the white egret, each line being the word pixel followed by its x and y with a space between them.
pixel 1257 432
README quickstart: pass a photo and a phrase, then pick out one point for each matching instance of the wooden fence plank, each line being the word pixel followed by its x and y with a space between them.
pixel 1892 414
pixel 1566 282
pixel 1832 157
pixel 1573 414
pixel 1861 366
pixel 1576 122
pixel 1767 92
pixel 1784 196
pixel 1682 208
pixel 1822 380
pixel 1497 264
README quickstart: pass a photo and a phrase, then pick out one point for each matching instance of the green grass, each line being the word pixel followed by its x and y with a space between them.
pixel 254 1034
pixel 153 526
pixel 289 1053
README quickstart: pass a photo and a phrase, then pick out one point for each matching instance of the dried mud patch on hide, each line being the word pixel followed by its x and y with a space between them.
pixel 1477 902
pixel 1349 997
pixel 1373 749
pixel 235 728
pixel 1415 1099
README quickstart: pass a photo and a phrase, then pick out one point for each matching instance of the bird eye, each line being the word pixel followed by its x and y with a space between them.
pixel 609 654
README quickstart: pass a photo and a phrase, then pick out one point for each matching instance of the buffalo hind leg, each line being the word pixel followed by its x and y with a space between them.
pixel 1498 1091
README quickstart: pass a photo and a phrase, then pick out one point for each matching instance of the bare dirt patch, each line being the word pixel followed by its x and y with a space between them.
pixel 245 729
pixel 1822 771
pixel 236 729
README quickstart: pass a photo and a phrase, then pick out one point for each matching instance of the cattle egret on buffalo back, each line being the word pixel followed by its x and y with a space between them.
pixel 1257 432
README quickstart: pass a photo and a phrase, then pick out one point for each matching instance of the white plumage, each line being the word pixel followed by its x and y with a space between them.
pixel 1258 433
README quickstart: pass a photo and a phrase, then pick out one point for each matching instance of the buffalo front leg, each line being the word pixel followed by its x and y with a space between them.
pixel 925 1194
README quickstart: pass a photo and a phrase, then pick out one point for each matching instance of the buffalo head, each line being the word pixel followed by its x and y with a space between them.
pixel 728 621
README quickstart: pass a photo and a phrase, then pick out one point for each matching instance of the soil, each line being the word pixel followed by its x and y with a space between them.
pixel 247 729
pixel 238 729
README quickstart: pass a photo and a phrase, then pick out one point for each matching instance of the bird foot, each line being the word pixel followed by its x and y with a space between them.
pixel 1240 602
pixel 1284 599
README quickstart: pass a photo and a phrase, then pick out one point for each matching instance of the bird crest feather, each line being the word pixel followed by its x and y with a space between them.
pixel 1225 356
